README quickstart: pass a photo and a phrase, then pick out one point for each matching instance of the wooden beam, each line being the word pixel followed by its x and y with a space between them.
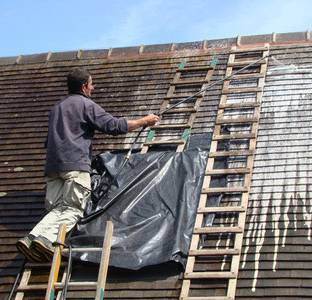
pixel 107 243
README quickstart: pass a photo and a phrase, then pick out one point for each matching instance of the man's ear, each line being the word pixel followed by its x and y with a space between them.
pixel 83 88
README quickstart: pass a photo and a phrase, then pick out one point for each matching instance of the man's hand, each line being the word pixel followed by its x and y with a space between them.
pixel 148 120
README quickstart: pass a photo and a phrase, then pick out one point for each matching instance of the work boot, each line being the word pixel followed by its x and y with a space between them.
pixel 24 246
pixel 43 246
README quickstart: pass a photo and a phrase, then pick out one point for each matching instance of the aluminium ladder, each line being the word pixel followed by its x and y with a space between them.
pixel 219 246
pixel 175 125
pixel 54 288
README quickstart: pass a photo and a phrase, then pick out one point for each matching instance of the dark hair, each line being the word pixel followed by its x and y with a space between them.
pixel 76 78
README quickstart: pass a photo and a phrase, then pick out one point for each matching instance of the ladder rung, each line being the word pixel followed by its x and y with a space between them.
pixel 165 142
pixel 221 209
pixel 246 63
pixel 237 120
pixel 246 50
pixel 231 153
pixel 171 126
pixel 228 171
pixel 214 252
pixel 231 189
pixel 208 298
pixel 239 105
pixel 189 82
pixel 195 275
pixel 181 111
pixel 83 250
pixel 241 90
pixel 234 136
pixel 85 284
pixel 182 96
pixel 220 229
pixel 31 265
pixel 247 76
pixel 32 287
pixel 195 68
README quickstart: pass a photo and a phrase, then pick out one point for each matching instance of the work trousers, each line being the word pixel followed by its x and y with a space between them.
pixel 66 196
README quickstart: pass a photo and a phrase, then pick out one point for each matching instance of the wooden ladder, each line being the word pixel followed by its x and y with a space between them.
pixel 54 288
pixel 213 263
pixel 177 122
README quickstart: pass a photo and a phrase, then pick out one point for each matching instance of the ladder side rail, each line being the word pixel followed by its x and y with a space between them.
pixel 56 263
pixel 231 291
pixel 107 243
pixel 23 283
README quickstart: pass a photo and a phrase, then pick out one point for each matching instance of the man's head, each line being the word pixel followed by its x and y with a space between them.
pixel 79 80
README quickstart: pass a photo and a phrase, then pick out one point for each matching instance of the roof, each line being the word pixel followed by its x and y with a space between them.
pixel 131 82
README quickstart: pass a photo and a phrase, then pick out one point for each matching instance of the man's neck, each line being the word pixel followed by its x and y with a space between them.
pixel 79 93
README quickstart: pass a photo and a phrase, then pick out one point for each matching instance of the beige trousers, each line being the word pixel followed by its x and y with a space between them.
pixel 66 196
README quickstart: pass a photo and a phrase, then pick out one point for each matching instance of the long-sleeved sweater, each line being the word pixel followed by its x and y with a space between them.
pixel 72 123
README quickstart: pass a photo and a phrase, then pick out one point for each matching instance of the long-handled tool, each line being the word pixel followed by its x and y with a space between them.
pixel 185 100
pixel 194 95
pixel 213 84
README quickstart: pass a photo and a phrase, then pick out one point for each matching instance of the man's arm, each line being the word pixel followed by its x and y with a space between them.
pixel 105 122
pixel 148 120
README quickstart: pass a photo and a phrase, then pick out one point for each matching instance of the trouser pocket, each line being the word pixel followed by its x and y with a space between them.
pixel 77 189
pixel 54 192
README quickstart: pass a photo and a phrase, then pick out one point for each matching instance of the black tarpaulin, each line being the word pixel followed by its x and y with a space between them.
pixel 152 204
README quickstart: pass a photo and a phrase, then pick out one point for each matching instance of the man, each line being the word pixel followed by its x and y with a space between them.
pixel 72 123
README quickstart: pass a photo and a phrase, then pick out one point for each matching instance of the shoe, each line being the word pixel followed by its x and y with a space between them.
pixel 42 245
pixel 24 246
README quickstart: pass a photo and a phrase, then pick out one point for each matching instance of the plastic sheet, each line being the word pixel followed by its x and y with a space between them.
pixel 152 204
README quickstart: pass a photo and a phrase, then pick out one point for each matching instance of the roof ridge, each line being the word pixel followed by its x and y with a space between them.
pixel 147 50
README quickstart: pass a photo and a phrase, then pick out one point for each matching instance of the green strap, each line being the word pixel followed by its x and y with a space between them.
pixel 52 294
pixel 102 294
pixel 182 64
pixel 214 61
pixel 186 134
pixel 150 135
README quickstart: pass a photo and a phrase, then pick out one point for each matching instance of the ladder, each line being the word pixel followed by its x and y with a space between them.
pixel 187 81
pixel 54 288
pixel 177 122
pixel 213 263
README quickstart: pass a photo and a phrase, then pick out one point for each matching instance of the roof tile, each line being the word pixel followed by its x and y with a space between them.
pixel 221 43
pixel 69 55
pixel 291 36
pixel 189 46
pixel 94 54
pixel 125 51
pixel 255 39
pixel 7 60
pixel 157 48
pixel 34 58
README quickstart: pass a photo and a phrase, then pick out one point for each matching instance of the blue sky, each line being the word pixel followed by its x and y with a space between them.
pixel 36 26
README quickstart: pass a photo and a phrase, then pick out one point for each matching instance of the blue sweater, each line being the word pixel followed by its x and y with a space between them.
pixel 72 123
